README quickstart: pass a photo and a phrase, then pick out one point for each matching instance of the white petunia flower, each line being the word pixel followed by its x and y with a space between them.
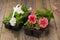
pixel 30 9
pixel 18 10
pixel 12 21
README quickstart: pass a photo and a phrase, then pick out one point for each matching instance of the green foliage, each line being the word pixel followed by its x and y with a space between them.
pixel 20 18
pixel 6 20
pixel 28 25
pixel 36 25
pixel 42 12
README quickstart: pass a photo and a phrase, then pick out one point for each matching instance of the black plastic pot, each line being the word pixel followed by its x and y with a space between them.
pixel 8 26
pixel 31 32
pixel 15 28
pixel 35 33
pixel 28 31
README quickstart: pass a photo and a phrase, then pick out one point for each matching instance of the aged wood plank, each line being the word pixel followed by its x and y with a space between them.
pixel 56 1
pixel 57 16
pixel 1 15
pixel 11 35
pixel 52 33
pixel 5 33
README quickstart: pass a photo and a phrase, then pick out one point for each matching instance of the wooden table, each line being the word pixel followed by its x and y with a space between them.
pixel 7 5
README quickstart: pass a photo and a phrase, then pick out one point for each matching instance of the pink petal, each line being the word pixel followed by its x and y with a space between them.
pixel 43 22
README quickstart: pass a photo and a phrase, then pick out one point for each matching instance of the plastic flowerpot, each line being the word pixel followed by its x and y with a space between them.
pixel 8 26
pixel 34 32
pixel 37 33
pixel 46 30
pixel 28 31
pixel 15 28
pixel 31 32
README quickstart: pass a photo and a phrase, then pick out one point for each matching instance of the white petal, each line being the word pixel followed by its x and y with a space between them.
pixel 19 11
pixel 12 21
pixel 30 9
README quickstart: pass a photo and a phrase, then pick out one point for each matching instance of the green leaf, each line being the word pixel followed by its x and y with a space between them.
pixel 6 20
pixel 28 25
pixel 36 25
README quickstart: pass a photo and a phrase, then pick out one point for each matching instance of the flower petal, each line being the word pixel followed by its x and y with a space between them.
pixel 32 19
pixel 43 22
pixel 12 21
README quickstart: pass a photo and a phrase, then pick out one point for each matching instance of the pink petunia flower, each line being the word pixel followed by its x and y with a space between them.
pixel 43 22
pixel 32 19
pixel 55 9
pixel 33 12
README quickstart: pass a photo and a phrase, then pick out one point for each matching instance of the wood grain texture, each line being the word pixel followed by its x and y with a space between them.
pixel 57 16
pixel 5 33
pixel 52 33
pixel 6 7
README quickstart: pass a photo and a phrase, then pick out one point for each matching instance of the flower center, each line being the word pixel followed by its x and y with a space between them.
pixel 43 22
